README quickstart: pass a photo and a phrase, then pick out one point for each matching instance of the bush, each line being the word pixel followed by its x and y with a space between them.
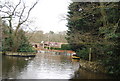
pixel 26 48
pixel 83 53
pixel 112 60
pixel 66 47
pixel 63 47
pixel 55 48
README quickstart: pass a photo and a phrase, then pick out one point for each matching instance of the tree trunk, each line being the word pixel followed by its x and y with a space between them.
pixel 103 13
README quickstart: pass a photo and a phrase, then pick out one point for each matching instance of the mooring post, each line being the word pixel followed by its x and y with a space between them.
pixel 90 55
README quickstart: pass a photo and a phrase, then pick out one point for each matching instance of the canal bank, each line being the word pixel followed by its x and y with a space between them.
pixel 19 54
pixel 92 70
pixel 92 66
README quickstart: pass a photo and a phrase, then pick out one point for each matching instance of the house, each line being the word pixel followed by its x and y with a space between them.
pixel 47 44
pixel 53 44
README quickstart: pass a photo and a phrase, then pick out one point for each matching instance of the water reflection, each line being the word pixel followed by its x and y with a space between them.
pixel 46 66
pixel 49 66
pixel 11 66
pixel 83 74
pixel 43 66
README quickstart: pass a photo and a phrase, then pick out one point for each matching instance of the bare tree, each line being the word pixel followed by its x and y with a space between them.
pixel 18 13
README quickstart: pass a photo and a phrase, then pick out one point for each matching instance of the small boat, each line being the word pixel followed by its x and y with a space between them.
pixel 74 56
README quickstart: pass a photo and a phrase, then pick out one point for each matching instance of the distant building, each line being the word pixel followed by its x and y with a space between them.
pixel 53 44
pixel 47 44
pixel 37 45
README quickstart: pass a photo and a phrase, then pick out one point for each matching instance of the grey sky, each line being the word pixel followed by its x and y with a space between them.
pixel 95 0
pixel 48 15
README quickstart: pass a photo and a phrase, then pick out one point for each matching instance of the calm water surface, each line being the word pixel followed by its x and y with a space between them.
pixel 45 66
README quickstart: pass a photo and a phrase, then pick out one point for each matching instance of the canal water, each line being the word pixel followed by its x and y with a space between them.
pixel 45 66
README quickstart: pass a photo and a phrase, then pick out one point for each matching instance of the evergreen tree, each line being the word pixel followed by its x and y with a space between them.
pixel 95 25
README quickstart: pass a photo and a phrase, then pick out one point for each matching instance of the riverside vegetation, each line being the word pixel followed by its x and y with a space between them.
pixel 96 26
pixel 9 44
pixel 13 19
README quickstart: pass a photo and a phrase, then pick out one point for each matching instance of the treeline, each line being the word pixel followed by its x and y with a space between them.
pixel 95 27
pixel 38 36
pixel 14 43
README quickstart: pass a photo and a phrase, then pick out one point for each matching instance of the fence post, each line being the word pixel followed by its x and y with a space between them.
pixel 90 55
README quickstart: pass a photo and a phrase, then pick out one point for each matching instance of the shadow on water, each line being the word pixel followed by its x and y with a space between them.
pixel 84 74
pixel 11 66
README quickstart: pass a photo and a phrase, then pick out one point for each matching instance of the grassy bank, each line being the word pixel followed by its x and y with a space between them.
pixel 95 69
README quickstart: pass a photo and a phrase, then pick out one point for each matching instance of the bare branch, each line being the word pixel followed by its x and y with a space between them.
pixel 16 7
pixel 22 12
pixel 5 17
pixel 21 22
pixel 13 12
pixel 29 12
pixel 33 32
pixel 6 12
pixel 7 7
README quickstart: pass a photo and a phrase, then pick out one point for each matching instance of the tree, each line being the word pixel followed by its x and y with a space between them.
pixel 96 25
pixel 24 45
pixel 16 15
pixel 6 41
pixel 39 36
pixel 20 14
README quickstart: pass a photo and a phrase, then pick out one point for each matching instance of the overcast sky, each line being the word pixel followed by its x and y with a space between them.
pixel 49 14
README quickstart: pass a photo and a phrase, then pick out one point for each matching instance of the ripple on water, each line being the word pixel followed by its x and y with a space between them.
pixel 53 67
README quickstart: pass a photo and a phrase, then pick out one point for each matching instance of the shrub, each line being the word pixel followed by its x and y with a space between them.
pixel 83 53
